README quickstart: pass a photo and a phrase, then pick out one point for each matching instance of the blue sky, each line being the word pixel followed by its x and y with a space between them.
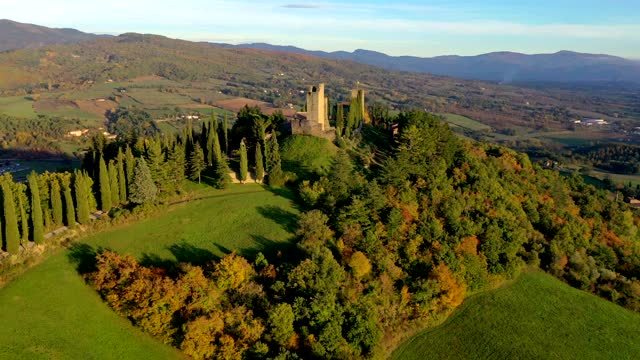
pixel 422 28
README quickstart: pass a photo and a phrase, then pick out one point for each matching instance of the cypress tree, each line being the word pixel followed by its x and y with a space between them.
pixel 56 201
pixel 130 164
pixel 244 164
pixel 122 180
pixel 217 152
pixel 36 209
pixel 82 190
pixel 70 214
pixel 225 133
pixel 259 163
pixel 142 189
pixel 275 176
pixel 339 119
pixel 23 201
pixel 210 152
pixel 222 174
pixel 11 233
pixel 196 163
pixel 176 161
pixel 104 186
pixel 113 183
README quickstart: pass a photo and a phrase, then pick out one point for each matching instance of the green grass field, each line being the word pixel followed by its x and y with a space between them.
pixel 50 313
pixel 465 122
pixel 537 317
pixel 154 98
pixel 305 155
pixel 18 106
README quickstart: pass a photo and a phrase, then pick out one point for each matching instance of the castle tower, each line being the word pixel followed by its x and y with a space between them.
pixel 317 106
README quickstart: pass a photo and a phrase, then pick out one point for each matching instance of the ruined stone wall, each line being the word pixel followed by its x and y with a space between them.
pixel 301 126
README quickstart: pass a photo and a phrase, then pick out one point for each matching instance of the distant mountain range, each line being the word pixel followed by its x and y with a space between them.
pixel 502 67
pixel 15 35
pixel 505 67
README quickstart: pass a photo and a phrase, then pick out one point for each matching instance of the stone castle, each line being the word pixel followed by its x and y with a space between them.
pixel 315 120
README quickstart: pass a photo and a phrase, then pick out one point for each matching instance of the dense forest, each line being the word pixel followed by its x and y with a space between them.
pixel 396 233
pixel 617 158
pixel 41 134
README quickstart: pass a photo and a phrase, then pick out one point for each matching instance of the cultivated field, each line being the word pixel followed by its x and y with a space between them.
pixel 50 313
pixel 18 106
pixel 538 317
pixel 465 122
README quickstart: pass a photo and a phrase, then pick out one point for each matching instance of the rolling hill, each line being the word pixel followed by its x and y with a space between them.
pixel 505 67
pixel 203 73
pixel 526 320
pixel 15 35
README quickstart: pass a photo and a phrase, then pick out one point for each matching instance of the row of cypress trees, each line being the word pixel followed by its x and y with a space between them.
pixel 118 173
pixel 45 202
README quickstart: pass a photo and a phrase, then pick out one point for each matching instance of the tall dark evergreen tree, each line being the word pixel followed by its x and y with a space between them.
pixel 155 162
pixel 82 189
pixel 275 175
pixel 113 183
pixel 122 180
pixel 130 164
pixel 259 163
pixel 56 201
pixel 209 151
pixel 10 221
pixel 217 151
pixel 196 163
pixel 225 133
pixel 23 203
pixel 176 162
pixel 104 186
pixel 339 120
pixel 37 226
pixel 142 189
pixel 70 214
pixel 244 162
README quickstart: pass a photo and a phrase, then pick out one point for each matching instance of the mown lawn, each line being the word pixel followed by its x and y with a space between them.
pixel 244 218
pixel 50 313
pixel 538 317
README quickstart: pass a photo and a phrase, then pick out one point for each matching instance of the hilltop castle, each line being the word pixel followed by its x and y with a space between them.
pixel 315 120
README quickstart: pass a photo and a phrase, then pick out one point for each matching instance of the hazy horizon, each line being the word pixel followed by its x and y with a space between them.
pixel 415 28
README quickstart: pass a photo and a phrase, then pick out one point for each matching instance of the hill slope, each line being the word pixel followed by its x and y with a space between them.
pixel 538 317
pixel 55 315
pixel 563 66
pixel 15 35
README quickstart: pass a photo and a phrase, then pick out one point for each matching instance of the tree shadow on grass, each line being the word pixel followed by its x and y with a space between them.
pixel 184 253
pixel 276 252
pixel 285 192
pixel 287 219
pixel 84 257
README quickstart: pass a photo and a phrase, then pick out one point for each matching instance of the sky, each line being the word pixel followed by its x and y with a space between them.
pixel 419 28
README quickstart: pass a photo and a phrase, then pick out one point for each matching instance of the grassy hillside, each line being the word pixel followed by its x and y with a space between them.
pixel 538 317
pixel 303 155
pixel 49 313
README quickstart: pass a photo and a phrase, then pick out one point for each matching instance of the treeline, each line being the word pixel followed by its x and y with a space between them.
pixel 617 158
pixel 397 233
pixel 45 203
pixel 36 135
pixel 136 170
